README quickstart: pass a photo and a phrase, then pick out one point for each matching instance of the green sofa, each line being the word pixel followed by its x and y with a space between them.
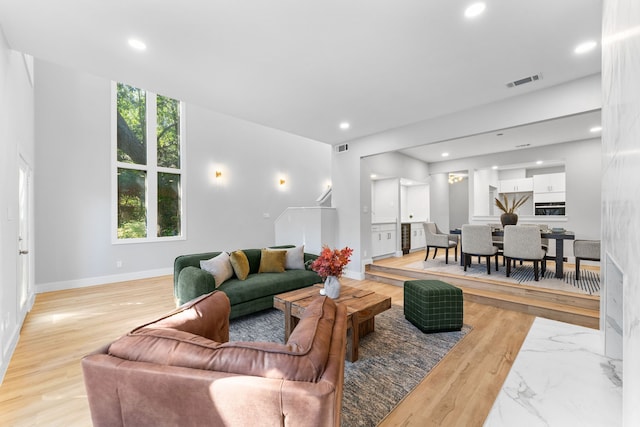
pixel 253 294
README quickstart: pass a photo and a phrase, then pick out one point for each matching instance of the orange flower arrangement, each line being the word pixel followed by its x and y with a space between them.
pixel 331 262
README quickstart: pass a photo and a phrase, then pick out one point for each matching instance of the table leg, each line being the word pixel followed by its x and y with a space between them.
pixel 353 339
pixel 367 327
pixel 559 258
pixel 290 322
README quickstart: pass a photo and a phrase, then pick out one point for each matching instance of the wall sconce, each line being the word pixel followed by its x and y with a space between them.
pixel 282 181
pixel 218 174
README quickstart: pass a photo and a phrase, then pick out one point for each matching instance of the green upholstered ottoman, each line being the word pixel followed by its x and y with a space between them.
pixel 432 305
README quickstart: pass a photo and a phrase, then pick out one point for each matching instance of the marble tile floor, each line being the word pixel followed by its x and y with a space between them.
pixel 560 378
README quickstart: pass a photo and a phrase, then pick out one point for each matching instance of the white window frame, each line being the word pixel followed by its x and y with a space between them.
pixel 151 168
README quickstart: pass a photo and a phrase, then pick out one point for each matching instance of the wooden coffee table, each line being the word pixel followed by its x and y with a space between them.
pixel 362 307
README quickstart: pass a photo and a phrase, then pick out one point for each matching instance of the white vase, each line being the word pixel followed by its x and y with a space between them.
pixel 332 287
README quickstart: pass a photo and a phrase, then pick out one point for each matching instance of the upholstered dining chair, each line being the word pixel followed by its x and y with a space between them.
pixel 585 250
pixel 477 240
pixel 524 243
pixel 435 239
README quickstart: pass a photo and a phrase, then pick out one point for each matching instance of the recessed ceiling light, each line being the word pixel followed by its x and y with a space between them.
pixel 345 125
pixel 595 129
pixel 539 162
pixel 137 44
pixel 474 10
pixel 373 175
pixel 585 47
pixel 494 167
pixel 445 154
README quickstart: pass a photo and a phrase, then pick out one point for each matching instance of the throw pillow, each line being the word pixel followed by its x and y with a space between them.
pixel 295 258
pixel 240 264
pixel 272 261
pixel 219 266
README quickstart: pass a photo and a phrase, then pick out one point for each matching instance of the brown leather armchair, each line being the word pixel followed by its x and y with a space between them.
pixel 181 370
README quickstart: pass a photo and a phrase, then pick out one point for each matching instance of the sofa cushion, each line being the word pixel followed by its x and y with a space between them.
pixel 205 316
pixel 240 264
pixel 219 266
pixel 267 284
pixel 272 261
pixel 303 358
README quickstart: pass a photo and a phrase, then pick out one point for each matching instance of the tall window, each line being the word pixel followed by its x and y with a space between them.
pixel 148 169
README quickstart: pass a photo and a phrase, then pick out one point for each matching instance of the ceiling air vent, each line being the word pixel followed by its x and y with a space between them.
pixel 342 148
pixel 525 80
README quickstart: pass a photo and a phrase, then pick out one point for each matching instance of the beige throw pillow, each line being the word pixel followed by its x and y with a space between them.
pixel 219 266
pixel 295 258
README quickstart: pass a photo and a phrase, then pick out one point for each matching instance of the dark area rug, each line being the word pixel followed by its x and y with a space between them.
pixel 392 360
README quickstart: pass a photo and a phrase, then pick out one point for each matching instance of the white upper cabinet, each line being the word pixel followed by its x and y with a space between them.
pixel 520 185
pixel 549 183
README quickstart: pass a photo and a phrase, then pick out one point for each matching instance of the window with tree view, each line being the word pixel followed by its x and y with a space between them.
pixel 148 165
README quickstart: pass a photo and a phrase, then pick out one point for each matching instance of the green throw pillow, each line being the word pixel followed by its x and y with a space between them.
pixel 240 264
pixel 272 261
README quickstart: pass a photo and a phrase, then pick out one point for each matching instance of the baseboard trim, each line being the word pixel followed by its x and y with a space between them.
pixel 355 275
pixel 8 352
pixel 101 280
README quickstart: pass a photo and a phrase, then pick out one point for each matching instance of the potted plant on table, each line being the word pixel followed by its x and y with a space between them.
pixel 509 217
pixel 329 266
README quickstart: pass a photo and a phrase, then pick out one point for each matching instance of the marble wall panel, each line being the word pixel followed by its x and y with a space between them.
pixel 621 192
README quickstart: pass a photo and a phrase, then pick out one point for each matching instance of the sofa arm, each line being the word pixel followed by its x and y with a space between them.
pixel 193 282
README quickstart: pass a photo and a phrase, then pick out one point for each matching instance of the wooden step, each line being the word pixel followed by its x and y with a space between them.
pixel 555 305
pixel 590 302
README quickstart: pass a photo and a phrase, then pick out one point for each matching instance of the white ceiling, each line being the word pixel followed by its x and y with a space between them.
pixel 305 66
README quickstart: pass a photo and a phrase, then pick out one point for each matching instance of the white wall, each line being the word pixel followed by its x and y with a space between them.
pixel 73 193
pixel 620 312
pixel 385 199
pixel 482 198
pixel 16 139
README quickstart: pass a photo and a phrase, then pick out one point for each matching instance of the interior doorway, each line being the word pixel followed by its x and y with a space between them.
pixel 24 236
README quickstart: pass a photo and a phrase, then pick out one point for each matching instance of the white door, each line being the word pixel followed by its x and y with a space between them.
pixel 24 236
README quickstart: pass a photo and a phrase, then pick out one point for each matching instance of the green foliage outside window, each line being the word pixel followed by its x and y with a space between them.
pixel 168 131
pixel 132 125
pixel 168 204
pixel 132 210
pixel 132 150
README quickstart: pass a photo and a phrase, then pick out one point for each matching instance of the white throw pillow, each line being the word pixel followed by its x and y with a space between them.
pixel 220 267
pixel 295 258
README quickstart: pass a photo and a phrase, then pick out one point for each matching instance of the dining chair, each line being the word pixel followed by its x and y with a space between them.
pixel 585 250
pixel 434 238
pixel 524 243
pixel 477 240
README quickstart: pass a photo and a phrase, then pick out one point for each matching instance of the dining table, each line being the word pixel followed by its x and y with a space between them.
pixel 558 235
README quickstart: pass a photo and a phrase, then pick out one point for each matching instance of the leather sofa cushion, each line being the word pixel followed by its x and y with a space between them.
pixel 206 316
pixel 303 358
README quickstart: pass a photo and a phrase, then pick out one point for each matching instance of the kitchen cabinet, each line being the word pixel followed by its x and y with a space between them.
pixel 549 183
pixel 520 185
pixel 417 236
pixel 383 239
pixel 549 188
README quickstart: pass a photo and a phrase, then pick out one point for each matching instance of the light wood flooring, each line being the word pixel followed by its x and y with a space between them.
pixel 44 386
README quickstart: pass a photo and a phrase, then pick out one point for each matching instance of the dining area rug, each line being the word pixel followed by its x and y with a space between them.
pixel 393 360
pixel 589 282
